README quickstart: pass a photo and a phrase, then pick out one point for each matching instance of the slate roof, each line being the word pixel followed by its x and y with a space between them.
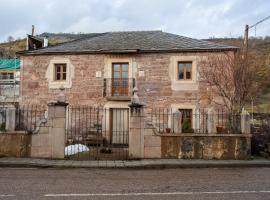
pixel 133 41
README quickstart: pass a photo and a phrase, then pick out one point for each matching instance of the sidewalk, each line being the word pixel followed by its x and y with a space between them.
pixel 140 164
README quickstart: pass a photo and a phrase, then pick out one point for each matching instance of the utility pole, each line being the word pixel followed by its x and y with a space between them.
pixel 246 40
pixel 247 27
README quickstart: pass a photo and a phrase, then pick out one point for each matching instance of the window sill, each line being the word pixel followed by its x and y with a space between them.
pixel 59 84
pixel 118 98
pixel 185 86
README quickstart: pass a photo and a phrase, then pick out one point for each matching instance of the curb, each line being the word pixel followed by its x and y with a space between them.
pixel 130 165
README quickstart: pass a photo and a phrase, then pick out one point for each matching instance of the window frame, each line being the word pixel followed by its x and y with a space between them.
pixel 185 70
pixel 7 73
pixel 61 72
pixel 123 90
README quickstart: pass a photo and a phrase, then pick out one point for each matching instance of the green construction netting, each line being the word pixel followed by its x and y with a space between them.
pixel 9 64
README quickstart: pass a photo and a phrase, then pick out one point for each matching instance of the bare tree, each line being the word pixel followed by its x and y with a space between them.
pixel 231 78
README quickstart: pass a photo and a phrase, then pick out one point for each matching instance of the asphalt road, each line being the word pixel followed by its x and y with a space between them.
pixel 115 184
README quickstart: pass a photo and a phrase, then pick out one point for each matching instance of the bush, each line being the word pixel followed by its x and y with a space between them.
pixel 186 126
pixel 3 127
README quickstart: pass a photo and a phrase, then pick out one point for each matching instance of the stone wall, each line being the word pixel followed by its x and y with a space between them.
pixel 221 147
pixel 15 144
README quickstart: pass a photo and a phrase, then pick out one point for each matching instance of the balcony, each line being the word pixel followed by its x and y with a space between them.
pixel 116 89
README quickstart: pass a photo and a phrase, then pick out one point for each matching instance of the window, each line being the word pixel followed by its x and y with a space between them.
pixel 6 75
pixel 120 79
pixel 60 72
pixel 186 120
pixel 185 70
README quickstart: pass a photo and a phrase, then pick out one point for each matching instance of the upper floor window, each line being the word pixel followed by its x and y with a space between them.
pixel 60 72
pixel 4 75
pixel 184 70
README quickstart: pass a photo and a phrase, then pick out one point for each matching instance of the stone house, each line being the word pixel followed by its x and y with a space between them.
pixel 102 69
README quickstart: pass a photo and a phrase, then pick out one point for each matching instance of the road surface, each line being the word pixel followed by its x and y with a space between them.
pixel 117 184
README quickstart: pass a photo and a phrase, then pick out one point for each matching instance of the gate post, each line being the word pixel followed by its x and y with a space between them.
pixel 136 133
pixel 10 118
pixel 136 127
pixel 57 130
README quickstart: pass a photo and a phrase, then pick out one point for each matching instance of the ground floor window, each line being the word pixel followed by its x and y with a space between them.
pixel 186 120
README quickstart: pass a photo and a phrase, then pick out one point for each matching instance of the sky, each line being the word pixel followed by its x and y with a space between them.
pixel 193 18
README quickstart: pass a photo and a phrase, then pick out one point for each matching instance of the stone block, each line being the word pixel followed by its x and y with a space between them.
pixel 10 119
pixel 58 142
pixel 152 152
pixel 59 123
pixel 149 131
pixel 41 140
pixel 135 143
pixel 152 141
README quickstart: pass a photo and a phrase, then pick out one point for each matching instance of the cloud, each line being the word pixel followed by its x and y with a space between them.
pixel 194 18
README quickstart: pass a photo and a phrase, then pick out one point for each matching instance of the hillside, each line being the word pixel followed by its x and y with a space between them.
pixel 9 49
pixel 261 48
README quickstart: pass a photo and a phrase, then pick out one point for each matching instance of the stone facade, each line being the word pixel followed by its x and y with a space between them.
pixel 155 76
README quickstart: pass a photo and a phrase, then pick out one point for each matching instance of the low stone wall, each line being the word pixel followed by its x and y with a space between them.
pixel 191 146
pixel 194 146
pixel 16 144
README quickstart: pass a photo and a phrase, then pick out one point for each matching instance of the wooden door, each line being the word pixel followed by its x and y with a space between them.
pixel 119 126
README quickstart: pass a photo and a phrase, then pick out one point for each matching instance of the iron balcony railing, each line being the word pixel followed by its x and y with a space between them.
pixel 118 87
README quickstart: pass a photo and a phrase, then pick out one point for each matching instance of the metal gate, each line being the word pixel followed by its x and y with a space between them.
pixel 97 133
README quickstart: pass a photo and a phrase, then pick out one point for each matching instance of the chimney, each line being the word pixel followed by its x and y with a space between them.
pixel 33 30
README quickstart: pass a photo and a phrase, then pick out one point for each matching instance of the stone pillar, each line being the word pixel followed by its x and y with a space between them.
pixel 245 122
pixel 211 121
pixel 177 126
pixel 136 133
pixel 10 119
pixel 57 130
pixel 48 141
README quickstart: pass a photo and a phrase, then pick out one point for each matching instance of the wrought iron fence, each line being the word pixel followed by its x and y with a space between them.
pixel 185 121
pixel 3 114
pixel 96 133
pixel 29 116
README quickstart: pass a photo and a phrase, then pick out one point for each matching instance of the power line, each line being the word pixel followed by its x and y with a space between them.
pixel 264 19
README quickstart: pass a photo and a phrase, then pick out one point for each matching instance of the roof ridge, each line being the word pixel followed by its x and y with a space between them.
pixel 134 31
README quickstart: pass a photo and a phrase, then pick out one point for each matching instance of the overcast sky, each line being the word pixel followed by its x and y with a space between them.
pixel 193 18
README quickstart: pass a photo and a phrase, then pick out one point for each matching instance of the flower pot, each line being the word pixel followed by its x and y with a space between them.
pixel 168 130
pixel 220 129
